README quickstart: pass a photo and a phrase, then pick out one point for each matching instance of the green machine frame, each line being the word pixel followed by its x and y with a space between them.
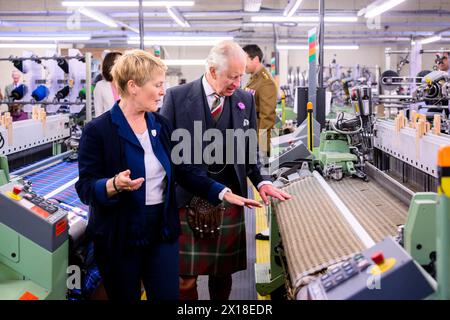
pixel 270 276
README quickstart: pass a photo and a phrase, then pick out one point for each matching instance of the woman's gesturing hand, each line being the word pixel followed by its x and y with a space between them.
pixel 122 182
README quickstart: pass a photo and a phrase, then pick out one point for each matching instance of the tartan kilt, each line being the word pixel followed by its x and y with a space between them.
pixel 223 255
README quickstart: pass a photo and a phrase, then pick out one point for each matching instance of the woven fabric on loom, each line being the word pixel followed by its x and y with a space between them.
pixel 70 197
pixel 314 233
pixel 53 177
pixel 378 211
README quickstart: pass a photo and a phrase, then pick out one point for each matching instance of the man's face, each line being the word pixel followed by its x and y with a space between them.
pixel 16 77
pixel 228 80
pixel 251 64
pixel 443 63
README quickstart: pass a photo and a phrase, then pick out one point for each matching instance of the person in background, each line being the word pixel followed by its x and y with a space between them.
pixel 264 88
pixel 127 177
pixel 443 63
pixel 215 102
pixel 105 91
pixel 15 75
pixel 16 111
pixel 99 76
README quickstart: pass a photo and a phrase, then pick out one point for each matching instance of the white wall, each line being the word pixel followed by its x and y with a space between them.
pixel 191 73
pixel 365 56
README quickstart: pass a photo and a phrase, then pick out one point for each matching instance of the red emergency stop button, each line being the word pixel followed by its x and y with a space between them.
pixel 17 189
pixel 378 257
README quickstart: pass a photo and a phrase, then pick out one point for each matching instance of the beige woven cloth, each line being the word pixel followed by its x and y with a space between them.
pixel 314 233
pixel 378 211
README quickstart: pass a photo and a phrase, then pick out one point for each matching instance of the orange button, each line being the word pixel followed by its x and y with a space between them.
pixel 444 156
pixel 378 257
pixel 28 296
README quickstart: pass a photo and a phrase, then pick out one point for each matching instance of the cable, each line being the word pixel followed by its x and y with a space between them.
pixel 348 132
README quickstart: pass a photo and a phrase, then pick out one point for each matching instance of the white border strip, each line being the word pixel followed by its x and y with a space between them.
pixel 346 213
pixel 63 187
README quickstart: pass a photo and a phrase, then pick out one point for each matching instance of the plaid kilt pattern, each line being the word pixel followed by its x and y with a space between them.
pixel 223 255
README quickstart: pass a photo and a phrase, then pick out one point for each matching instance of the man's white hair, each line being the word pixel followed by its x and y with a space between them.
pixel 221 53
pixel 15 72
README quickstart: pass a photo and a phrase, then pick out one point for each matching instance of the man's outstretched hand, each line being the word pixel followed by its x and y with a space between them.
pixel 269 190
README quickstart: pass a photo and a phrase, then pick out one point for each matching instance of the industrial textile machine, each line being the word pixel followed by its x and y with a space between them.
pixel 37 238
pixel 34 250
pixel 363 222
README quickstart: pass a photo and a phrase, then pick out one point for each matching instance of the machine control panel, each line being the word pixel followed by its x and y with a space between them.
pixel 384 271
pixel 40 202
pixel 33 216
pixel 339 274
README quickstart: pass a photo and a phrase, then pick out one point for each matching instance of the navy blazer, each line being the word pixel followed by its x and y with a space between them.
pixel 101 155
pixel 185 104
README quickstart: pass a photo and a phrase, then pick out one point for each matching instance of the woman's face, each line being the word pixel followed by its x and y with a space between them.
pixel 150 94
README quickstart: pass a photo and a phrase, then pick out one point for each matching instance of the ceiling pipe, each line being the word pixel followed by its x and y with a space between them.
pixel 193 14
pixel 207 24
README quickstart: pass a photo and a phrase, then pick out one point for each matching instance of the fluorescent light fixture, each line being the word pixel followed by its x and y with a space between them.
pixel 341 47
pixel 180 40
pixel 431 39
pixel 303 19
pixel 45 38
pixel 127 3
pixel 184 38
pixel 28 45
pixel 326 47
pixel 291 47
pixel 127 26
pixel 185 62
pixel 181 43
pixel 378 7
pixel 291 7
pixel 100 17
pixel 178 17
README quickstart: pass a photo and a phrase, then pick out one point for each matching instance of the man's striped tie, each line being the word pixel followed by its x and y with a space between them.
pixel 216 107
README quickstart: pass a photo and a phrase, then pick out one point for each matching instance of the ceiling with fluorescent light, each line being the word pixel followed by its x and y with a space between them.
pixel 412 18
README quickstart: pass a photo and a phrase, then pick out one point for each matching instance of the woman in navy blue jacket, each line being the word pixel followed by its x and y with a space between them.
pixel 127 178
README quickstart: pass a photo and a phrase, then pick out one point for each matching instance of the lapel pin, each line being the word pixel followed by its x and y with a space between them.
pixel 154 133
pixel 246 122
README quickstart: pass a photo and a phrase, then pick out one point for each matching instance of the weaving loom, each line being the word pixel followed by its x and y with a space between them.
pixel 315 234
pixel 52 178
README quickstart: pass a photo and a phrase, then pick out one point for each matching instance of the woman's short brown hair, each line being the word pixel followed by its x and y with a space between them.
pixel 137 65
pixel 108 63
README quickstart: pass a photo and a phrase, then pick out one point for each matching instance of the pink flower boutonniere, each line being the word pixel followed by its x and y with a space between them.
pixel 241 105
